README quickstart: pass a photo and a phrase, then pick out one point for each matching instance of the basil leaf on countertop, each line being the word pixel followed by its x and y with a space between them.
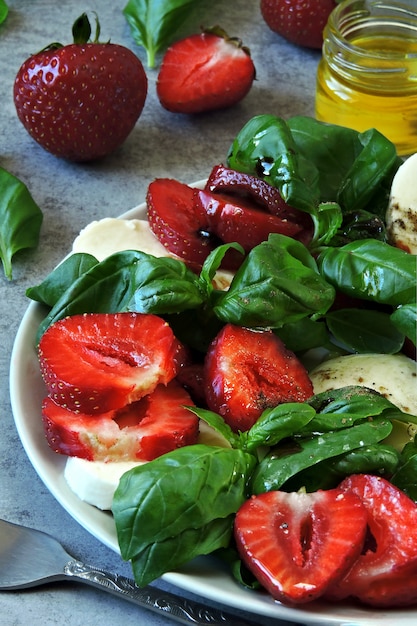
pixel 179 506
pixel 371 270
pixel 20 219
pixel 4 10
pixel 153 23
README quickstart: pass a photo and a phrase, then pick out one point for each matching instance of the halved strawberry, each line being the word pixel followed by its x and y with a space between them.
pixel 236 219
pixel 296 544
pixel 225 180
pixel 385 574
pixel 247 371
pixel 203 72
pixel 98 362
pixel 141 431
pixel 179 225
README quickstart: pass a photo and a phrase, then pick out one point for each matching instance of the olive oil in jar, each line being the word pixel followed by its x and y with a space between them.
pixel 367 77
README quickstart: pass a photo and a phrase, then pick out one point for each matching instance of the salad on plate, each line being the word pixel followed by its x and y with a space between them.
pixel 238 371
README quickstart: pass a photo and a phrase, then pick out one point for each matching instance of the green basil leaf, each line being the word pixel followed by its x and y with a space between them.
pixel 343 407
pixel 61 278
pixel 164 285
pixel 371 270
pixel 217 422
pixel 327 220
pixel 128 281
pixel 405 319
pixel 365 331
pixel 154 23
pixel 304 335
pixel 20 219
pixel 275 424
pixel 187 496
pixel 4 10
pixel 405 476
pixel 378 458
pixel 352 166
pixel 284 463
pixel 277 283
pixel 265 148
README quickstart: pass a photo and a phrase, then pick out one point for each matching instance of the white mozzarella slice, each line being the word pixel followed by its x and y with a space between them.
pixel 95 481
pixel 401 216
pixel 394 376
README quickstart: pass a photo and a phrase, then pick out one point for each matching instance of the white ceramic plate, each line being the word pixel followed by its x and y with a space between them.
pixel 204 576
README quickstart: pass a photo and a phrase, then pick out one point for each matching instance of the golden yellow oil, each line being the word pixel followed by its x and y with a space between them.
pixel 372 83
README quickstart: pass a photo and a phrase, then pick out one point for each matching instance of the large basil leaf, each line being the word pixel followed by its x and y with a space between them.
pixel 129 281
pixel 179 506
pixel 265 148
pixel 277 283
pixel 371 270
pixel 352 166
pixel 20 219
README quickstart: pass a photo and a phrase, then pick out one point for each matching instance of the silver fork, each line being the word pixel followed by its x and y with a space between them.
pixel 30 557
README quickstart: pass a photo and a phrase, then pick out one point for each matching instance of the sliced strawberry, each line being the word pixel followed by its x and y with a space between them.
pixel 180 226
pixel 296 544
pixel 141 431
pixel 204 72
pixel 97 362
pixel 247 371
pixel 385 574
pixel 228 181
pixel 234 219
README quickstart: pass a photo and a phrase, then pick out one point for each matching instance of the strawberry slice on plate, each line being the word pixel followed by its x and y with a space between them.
pixel 180 225
pixel 297 543
pixel 266 197
pixel 97 362
pixel 205 72
pixel 247 371
pixel 385 574
pixel 235 219
pixel 154 425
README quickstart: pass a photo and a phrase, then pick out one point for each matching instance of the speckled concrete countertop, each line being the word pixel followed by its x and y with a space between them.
pixel 70 196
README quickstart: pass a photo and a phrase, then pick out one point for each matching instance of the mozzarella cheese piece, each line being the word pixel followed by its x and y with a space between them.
pixel 401 216
pixel 95 482
pixel 394 376
pixel 109 235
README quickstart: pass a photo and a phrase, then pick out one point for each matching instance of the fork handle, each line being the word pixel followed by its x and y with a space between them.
pixel 180 609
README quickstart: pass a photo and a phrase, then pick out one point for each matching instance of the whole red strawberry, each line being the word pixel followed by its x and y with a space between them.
pixel 80 101
pixel 300 21
pixel 204 72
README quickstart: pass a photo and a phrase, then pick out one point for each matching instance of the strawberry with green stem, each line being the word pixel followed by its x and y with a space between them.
pixel 80 101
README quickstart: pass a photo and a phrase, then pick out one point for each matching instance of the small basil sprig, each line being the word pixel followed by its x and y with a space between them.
pixel 20 219
pixel 154 24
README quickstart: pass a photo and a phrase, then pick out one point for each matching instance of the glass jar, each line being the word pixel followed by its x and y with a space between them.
pixel 367 77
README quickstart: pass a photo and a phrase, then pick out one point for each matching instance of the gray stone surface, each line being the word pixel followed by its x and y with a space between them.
pixel 70 196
